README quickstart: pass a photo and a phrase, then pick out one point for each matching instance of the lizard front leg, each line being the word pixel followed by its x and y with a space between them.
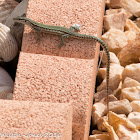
pixel 62 40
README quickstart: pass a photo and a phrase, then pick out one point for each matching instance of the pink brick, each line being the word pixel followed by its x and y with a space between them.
pixel 65 75
pixel 88 13
pixel 58 79
pixel 26 118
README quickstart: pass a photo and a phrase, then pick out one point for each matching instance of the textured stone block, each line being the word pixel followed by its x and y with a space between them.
pixel 64 13
pixel 61 75
pixel 58 79
pixel 35 120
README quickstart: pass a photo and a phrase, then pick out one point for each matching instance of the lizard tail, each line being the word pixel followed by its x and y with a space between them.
pixel 104 46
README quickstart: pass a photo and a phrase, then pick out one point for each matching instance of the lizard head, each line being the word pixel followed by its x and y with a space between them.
pixel 23 20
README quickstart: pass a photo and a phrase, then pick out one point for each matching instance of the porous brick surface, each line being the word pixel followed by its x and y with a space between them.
pixel 46 73
pixel 26 120
pixel 58 79
pixel 64 13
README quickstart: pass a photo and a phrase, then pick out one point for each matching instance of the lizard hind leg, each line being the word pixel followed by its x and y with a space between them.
pixel 38 34
pixel 62 40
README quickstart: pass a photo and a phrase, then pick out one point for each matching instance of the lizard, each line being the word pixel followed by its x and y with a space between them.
pixel 67 33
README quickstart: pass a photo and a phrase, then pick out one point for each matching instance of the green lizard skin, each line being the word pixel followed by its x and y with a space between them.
pixel 66 33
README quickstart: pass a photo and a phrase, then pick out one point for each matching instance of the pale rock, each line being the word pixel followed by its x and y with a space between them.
pixel 114 81
pixel 131 52
pixel 130 35
pixel 116 21
pixel 132 93
pixel 117 92
pixel 125 133
pixel 100 95
pixel 104 119
pixel 134 117
pixel 111 98
pixel 129 82
pixel 101 73
pixel 100 123
pixel 132 71
pixel 135 105
pixel 137 22
pixel 115 11
pixel 122 127
pixel 99 137
pixel 112 134
pixel 107 2
pixel 131 6
pixel 120 107
pixel 115 77
pixel 113 58
pixel 115 4
pixel 115 40
pixel 98 110
pixel 115 120
pixel 98 132
pixel 131 26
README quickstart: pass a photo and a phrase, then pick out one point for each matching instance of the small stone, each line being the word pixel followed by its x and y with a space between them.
pixel 115 120
pixel 131 26
pixel 132 71
pixel 115 77
pixel 112 134
pixel 129 82
pixel 115 11
pixel 104 119
pixel 99 137
pixel 120 107
pixel 130 53
pixel 107 2
pixel 111 99
pixel 116 21
pixel 131 6
pixel 98 111
pixel 120 128
pixel 137 22
pixel 125 133
pixel 100 95
pixel 134 117
pixel 117 92
pixel 115 4
pixel 135 105
pixel 113 58
pixel 113 84
pixel 98 132
pixel 115 40
pixel 100 125
pixel 130 35
pixel 132 93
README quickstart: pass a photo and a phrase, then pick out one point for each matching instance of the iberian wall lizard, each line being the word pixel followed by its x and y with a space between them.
pixel 67 33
